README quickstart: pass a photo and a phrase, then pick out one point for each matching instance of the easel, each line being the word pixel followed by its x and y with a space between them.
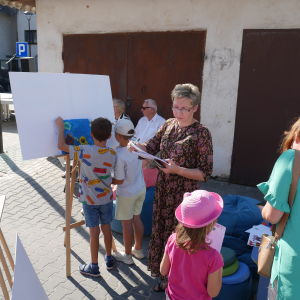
pixel 2 258
pixel 69 202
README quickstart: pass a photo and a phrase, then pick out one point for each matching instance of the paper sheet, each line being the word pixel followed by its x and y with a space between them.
pixel 217 237
pixel 75 96
pixel 146 155
pixel 255 234
pixel 26 284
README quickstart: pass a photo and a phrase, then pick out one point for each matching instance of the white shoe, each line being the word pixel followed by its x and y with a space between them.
pixel 137 253
pixel 121 256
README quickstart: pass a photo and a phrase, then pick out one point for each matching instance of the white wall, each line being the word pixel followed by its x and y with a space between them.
pixel 8 35
pixel 22 26
pixel 224 21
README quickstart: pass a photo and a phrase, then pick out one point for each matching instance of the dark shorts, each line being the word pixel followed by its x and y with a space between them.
pixel 98 214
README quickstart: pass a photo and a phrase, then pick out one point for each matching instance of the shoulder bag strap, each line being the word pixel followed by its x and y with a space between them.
pixel 292 193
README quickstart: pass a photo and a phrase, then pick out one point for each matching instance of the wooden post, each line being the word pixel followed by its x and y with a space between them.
pixel 68 219
pixel 113 245
pixel 73 178
pixel 9 277
pixel 3 286
pixel 2 202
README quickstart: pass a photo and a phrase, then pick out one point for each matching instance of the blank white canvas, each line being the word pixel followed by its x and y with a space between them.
pixel 26 284
pixel 39 98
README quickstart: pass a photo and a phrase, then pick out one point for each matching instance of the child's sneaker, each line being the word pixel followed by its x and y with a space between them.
pixel 137 253
pixel 109 260
pixel 89 270
pixel 121 256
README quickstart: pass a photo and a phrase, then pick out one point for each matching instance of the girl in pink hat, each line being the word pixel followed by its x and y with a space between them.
pixel 194 269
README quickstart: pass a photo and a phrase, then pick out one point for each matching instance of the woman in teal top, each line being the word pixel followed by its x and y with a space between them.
pixel 285 277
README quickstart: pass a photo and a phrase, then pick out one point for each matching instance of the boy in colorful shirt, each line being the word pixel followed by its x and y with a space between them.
pixel 95 192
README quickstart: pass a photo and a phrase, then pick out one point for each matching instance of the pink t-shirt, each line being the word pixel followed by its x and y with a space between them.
pixel 150 176
pixel 189 272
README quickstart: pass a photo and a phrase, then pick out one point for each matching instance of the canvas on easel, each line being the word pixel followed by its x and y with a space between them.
pixel 76 96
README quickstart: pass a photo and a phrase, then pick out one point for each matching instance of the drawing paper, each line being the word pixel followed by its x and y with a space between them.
pixel 39 98
pixel 256 233
pixel 217 237
pixel 144 154
pixel 26 284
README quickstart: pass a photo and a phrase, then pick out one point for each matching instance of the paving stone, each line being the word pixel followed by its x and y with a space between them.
pixel 52 283
pixel 59 293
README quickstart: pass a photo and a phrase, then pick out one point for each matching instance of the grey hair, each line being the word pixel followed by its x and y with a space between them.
pixel 152 103
pixel 187 90
pixel 120 105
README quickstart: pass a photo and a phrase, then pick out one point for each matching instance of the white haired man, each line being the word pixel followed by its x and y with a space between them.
pixel 149 123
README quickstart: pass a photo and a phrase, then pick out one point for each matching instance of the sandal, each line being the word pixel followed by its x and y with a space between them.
pixel 88 270
pixel 160 288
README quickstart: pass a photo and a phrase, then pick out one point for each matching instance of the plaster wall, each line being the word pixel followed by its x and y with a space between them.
pixel 224 21
pixel 8 35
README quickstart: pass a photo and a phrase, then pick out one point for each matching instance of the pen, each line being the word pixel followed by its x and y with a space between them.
pixel 136 141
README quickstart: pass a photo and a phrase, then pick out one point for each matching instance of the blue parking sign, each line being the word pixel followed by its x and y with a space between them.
pixel 22 49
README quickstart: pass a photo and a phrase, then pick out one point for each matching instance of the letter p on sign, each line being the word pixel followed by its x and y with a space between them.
pixel 22 49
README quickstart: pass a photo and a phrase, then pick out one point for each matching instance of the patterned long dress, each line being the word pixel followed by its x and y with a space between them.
pixel 189 147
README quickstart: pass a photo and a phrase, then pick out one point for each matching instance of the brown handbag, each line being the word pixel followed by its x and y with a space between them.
pixel 267 247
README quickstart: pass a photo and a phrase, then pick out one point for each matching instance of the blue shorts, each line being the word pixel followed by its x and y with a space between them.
pixel 98 214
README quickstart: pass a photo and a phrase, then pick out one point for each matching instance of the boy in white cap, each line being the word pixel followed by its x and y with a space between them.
pixel 131 193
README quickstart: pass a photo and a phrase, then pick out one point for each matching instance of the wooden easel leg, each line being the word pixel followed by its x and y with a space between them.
pixel 9 278
pixel 73 179
pixel 7 250
pixel 68 219
pixel 3 286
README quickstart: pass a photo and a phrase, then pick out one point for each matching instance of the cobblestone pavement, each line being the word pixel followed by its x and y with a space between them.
pixel 35 209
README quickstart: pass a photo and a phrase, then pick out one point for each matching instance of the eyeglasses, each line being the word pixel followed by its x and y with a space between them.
pixel 143 108
pixel 183 110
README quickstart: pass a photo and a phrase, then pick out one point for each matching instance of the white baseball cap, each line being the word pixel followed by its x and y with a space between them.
pixel 124 127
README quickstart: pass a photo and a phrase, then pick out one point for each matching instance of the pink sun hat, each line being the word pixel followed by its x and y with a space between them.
pixel 199 208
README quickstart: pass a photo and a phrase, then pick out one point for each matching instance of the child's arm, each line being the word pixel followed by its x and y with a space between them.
pixel 165 265
pixel 61 141
pixel 116 181
pixel 214 282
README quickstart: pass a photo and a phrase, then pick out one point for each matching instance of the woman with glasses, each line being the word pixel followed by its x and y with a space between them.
pixel 186 145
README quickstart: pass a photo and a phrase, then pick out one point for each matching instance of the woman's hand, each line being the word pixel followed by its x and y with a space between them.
pixel 195 174
pixel 171 167
pixel 130 148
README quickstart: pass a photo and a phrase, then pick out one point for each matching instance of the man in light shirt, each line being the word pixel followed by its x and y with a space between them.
pixel 149 124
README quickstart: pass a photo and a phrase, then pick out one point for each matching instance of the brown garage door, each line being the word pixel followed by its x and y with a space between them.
pixel 268 100
pixel 140 65
pixel 102 54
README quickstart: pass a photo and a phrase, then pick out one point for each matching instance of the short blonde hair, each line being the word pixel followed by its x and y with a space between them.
pixel 289 136
pixel 120 105
pixel 187 90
